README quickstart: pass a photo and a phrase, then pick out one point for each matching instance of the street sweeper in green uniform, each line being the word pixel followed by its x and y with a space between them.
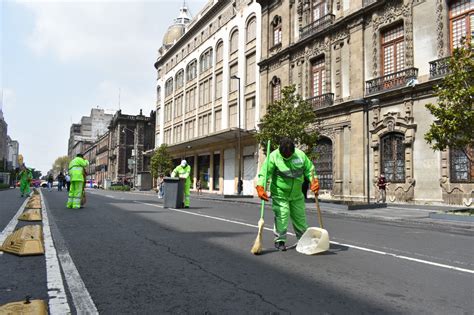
pixel 25 179
pixel 77 172
pixel 184 171
pixel 287 168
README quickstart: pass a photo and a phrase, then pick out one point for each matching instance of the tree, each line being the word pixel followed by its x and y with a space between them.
pixel 292 117
pixel 161 162
pixel 61 164
pixel 454 112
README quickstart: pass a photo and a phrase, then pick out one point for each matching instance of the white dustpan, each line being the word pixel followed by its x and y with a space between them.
pixel 314 240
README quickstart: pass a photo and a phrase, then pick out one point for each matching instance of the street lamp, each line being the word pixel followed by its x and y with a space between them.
pixel 239 182
pixel 367 105
pixel 135 148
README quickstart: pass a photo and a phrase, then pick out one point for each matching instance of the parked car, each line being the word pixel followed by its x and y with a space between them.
pixel 94 184
pixel 44 183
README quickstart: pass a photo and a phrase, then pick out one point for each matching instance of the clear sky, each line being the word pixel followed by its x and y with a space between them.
pixel 60 58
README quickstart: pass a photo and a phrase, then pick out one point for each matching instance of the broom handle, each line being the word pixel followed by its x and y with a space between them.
pixel 262 205
pixel 320 218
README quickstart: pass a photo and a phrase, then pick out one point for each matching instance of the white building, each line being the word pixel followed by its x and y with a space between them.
pixel 200 104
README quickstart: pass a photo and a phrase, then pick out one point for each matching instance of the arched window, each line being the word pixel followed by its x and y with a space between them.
pixel 393 157
pixel 179 79
pixel 158 93
pixel 461 169
pixel 276 25
pixel 461 21
pixel 323 163
pixel 234 41
pixel 275 85
pixel 191 70
pixel 169 87
pixel 219 51
pixel 205 60
pixel 251 29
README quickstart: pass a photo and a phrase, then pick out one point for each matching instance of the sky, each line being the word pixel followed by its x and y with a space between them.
pixel 60 58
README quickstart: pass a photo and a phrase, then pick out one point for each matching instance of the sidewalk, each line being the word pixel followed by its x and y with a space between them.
pixel 418 214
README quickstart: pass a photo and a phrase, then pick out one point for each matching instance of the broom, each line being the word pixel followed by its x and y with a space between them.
pixel 257 246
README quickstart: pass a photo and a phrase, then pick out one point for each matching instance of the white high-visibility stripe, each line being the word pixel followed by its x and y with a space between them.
pixel 336 243
pixel 57 296
pixel 12 224
pixel 81 298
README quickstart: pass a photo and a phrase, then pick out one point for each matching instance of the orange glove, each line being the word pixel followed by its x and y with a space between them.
pixel 261 193
pixel 314 185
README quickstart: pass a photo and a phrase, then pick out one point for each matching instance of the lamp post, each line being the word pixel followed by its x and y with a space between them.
pixel 239 182
pixel 135 147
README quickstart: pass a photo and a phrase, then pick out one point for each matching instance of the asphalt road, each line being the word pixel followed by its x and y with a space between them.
pixel 124 254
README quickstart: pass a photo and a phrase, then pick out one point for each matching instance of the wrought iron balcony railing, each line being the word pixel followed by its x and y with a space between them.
pixel 321 101
pixel 439 68
pixel 391 81
pixel 317 26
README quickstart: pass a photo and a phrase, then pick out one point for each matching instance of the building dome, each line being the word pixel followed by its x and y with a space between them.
pixel 178 28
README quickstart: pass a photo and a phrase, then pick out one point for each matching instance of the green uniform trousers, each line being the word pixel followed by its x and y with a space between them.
pixel 285 208
pixel 75 195
pixel 24 188
pixel 187 193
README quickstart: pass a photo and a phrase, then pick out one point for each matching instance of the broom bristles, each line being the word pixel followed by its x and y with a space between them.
pixel 257 246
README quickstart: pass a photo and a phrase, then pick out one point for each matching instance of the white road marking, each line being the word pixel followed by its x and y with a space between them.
pixel 12 224
pixel 80 296
pixel 57 295
pixel 336 243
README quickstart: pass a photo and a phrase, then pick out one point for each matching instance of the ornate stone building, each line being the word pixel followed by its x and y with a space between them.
pixel 369 67
pixel 208 93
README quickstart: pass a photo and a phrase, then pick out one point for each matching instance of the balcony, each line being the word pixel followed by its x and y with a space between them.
pixel 316 26
pixel 321 101
pixel 390 81
pixel 439 68
pixel 366 3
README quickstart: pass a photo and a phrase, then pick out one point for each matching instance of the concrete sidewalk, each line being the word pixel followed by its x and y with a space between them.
pixel 393 212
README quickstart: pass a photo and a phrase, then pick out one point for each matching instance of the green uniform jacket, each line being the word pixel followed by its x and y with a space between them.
pixel 76 169
pixel 25 175
pixel 287 175
pixel 183 172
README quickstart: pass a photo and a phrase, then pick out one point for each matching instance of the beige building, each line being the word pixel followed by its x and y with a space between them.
pixel 208 93
pixel 369 67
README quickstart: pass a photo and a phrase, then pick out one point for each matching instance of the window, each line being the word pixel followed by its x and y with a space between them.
pixel 167 136
pixel 158 94
pixel 461 21
pixel 393 157
pixel 178 106
pixel 319 10
pixel 177 133
pixel 204 125
pixel 234 41
pixel 233 83
pixel 318 77
pixel 218 119
pixel 189 129
pixel 169 87
pixel 276 89
pixel 191 70
pixel 190 100
pixel 250 113
pixel 168 112
pixel 233 116
pixel 250 71
pixel 393 50
pixel 323 162
pixel 218 85
pixel 219 51
pixel 179 79
pixel 461 168
pixel 276 24
pixel 206 60
pixel 205 92
pixel 251 29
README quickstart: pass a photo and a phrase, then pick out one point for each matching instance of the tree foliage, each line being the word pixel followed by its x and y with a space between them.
pixel 454 112
pixel 161 162
pixel 291 117
pixel 61 164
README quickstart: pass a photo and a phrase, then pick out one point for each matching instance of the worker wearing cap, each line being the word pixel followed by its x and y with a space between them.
pixel 25 179
pixel 184 171
pixel 287 167
pixel 77 172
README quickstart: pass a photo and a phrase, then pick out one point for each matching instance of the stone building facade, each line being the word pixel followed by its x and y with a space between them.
pixel 127 133
pixel 369 68
pixel 208 93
